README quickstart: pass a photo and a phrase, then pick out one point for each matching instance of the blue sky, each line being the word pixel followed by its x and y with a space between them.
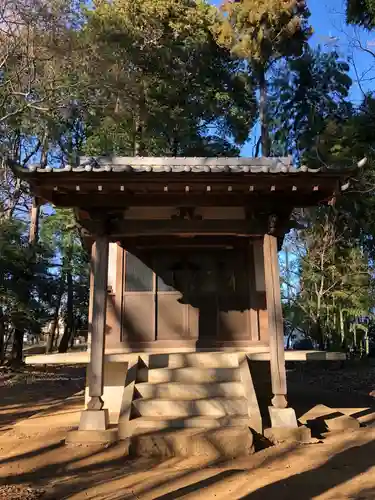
pixel 328 18
pixel 332 33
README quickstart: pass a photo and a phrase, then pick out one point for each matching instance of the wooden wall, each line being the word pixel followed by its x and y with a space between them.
pixel 146 319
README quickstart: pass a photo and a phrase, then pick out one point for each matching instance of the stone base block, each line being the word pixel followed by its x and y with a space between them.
pixel 93 437
pixel 94 420
pixel 319 412
pixel 324 419
pixel 227 443
pixel 283 434
pixel 283 417
pixel 341 423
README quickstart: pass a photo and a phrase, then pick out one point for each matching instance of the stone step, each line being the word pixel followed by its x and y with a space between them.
pixel 194 359
pixel 189 375
pixel 214 407
pixel 146 425
pixel 229 442
pixel 177 390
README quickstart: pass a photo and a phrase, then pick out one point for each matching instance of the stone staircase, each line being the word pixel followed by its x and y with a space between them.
pixel 182 403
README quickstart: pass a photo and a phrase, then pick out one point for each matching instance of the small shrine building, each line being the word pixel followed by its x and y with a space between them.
pixel 184 276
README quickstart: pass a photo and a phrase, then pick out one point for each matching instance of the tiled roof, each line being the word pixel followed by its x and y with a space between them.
pixel 178 164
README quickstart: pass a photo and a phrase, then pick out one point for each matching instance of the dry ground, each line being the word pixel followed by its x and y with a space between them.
pixel 39 465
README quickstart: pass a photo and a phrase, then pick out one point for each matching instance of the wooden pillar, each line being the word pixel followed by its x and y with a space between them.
pixel 254 313
pixel 99 264
pixel 275 321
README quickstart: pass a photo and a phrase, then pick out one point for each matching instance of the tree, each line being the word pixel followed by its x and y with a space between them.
pixel 25 284
pixel 309 96
pixel 37 61
pixel 361 12
pixel 159 84
pixel 60 233
pixel 262 32
pixel 332 279
pixel 37 56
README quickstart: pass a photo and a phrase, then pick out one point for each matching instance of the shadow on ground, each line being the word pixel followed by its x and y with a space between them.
pixel 341 467
pixel 29 390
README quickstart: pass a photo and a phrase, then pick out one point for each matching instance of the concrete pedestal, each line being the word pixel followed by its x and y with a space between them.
pixel 93 429
pixel 94 420
pixel 283 417
pixel 106 437
pixel 300 434
pixel 284 427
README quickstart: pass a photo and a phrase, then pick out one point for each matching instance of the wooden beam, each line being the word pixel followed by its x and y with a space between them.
pixel 128 228
pixel 99 309
pixel 160 243
pixel 275 321
pixel 118 200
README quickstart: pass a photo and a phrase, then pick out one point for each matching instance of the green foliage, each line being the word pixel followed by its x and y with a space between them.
pixel 334 278
pixel 308 100
pixel 262 31
pixel 161 77
pixel 60 234
pixel 361 12
pixel 159 84
pixel 25 284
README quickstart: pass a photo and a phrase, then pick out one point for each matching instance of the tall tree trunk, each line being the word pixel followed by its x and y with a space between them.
pixel 289 340
pixel 64 342
pixel 265 139
pixel 320 334
pixel 139 146
pixel 34 222
pixel 2 336
pixel 137 149
pixel 68 330
pixel 55 318
pixel 51 335
pixel 17 346
pixel 73 334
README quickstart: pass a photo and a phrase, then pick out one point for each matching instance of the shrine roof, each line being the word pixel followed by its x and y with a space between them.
pixel 152 181
pixel 168 165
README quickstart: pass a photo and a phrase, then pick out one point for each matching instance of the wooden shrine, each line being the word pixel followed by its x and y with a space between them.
pixel 185 251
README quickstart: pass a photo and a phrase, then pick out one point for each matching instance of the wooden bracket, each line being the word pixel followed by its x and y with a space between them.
pixel 272 224
pixel 186 213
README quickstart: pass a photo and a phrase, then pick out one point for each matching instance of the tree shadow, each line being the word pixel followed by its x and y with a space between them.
pixel 63 471
pixel 110 473
pixel 339 469
pixel 195 487
pixel 52 388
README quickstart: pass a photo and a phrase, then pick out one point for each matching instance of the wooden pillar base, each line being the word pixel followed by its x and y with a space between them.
pixel 96 403
pixel 279 401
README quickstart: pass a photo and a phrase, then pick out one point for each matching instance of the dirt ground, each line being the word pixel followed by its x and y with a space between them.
pixel 39 465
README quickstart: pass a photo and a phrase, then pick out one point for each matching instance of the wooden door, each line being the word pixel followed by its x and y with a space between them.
pixel 203 295
pixel 187 295
pixel 176 317
pixel 234 297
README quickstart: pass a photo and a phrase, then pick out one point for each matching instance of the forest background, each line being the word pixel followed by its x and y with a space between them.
pixel 190 78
